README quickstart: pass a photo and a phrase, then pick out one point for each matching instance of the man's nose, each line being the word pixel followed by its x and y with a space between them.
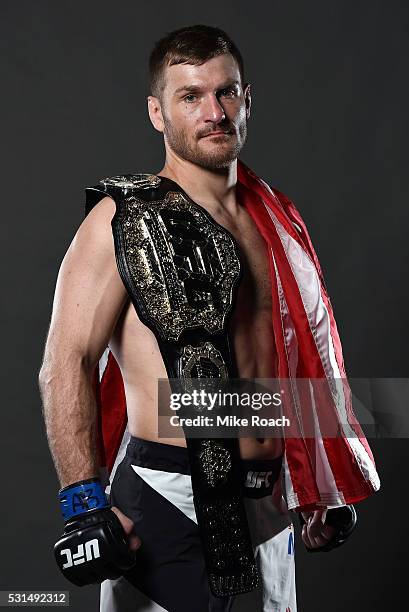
pixel 213 110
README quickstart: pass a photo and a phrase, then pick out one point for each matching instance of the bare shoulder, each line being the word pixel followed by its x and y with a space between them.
pixel 93 238
pixel 91 254
pixel 89 288
pixel 98 220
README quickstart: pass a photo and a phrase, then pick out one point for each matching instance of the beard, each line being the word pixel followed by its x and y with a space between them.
pixel 220 157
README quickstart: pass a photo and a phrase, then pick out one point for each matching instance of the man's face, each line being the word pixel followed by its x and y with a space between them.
pixel 204 111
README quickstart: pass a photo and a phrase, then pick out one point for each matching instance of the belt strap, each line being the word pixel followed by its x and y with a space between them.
pixel 217 493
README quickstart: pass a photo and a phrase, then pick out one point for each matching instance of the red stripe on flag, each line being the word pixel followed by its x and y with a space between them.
pixel 112 410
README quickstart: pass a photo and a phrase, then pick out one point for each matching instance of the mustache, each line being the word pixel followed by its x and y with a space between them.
pixel 226 130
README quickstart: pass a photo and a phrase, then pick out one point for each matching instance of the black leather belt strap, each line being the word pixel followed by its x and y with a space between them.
pixel 217 491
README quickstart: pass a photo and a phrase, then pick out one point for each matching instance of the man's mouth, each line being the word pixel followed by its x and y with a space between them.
pixel 218 133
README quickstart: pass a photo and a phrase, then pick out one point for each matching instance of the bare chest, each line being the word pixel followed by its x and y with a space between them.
pixel 250 324
pixel 254 293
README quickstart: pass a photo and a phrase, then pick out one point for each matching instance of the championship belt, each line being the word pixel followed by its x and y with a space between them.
pixel 181 270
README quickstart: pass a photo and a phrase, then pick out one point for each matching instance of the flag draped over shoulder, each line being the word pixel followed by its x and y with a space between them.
pixel 319 470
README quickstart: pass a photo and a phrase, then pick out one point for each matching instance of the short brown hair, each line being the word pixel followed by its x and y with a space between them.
pixel 189 45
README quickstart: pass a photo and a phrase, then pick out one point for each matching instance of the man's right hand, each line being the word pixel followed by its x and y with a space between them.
pixel 98 540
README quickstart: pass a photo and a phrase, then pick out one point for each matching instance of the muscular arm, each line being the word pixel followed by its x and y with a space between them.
pixel 88 300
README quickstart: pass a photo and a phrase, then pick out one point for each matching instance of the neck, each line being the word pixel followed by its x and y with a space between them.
pixel 213 189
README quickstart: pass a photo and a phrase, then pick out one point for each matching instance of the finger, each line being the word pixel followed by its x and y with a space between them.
pixel 128 525
pixel 318 517
pixel 322 538
pixel 306 516
pixel 313 538
pixel 305 538
pixel 126 522
pixel 316 524
pixel 134 542
pixel 320 541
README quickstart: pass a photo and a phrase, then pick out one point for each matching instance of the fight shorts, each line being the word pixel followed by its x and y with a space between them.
pixel 152 486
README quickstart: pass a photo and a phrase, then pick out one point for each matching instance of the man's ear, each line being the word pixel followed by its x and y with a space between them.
pixel 247 98
pixel 155 113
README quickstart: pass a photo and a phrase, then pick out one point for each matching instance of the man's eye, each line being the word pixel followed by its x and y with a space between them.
pixel 190 98
pixel 230 91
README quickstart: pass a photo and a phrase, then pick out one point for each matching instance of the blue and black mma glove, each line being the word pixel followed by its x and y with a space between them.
pixel 343 519
pixel 94 545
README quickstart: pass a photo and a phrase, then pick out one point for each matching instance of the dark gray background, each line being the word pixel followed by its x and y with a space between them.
pixel 329 128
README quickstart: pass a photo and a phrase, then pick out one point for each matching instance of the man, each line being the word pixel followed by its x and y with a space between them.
pixel 105 296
